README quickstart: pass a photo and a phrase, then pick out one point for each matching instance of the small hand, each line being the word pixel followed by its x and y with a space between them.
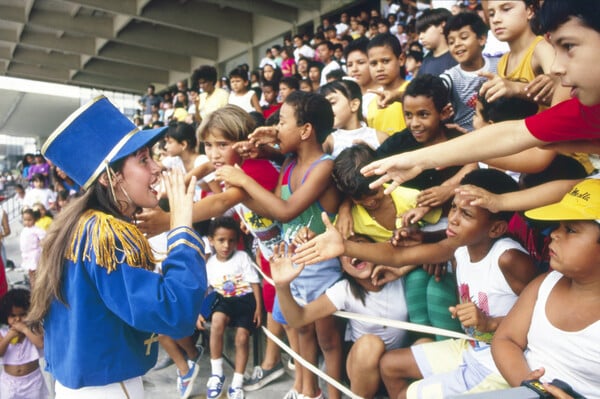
pixel 397 169
pixel 327 245
pixel 438 270
pixel 264 135
pixel 407 236
pixel 282 267
pixel 541 89
pixel 152 221
pixel 435 196
pixel 231 175
pixel 344 222
pixel 382 275
pixel 303 236
pixel 246 149
pixel 200 323
pixel 386 97
pixel 476 196
pixel 470 315
pixel 414 215
pixel 495 87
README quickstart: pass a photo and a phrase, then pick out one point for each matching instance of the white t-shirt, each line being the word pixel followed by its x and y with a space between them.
pixel 389 303
pixel 343 139
pixel 233 276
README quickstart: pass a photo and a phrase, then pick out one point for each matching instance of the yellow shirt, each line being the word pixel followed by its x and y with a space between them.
pixel 207 104
pixel 524 71
pixel 389 119
pixel 404 199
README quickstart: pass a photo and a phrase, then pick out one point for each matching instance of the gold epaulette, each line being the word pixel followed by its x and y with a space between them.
pixel 112 241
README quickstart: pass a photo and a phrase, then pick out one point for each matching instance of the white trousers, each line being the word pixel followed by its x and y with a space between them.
pixel 128 389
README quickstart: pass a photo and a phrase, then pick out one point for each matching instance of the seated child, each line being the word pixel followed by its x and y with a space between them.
pixel 552 331
pixel 357 292
pixel 21 376
pixel 491 271
pixel 240 94
pixel 231 273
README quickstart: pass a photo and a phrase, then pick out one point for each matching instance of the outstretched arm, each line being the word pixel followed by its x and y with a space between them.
pixel 509 137
pixel 330 244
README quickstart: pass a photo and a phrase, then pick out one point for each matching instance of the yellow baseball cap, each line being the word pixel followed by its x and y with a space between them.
pixel 581 203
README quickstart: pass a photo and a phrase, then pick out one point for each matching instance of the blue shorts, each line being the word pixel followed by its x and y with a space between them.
pixel 310 284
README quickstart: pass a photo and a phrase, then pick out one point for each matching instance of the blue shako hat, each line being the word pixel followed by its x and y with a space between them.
pixel 93 137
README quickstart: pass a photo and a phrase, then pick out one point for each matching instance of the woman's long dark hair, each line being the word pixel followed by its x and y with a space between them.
pixel 50 271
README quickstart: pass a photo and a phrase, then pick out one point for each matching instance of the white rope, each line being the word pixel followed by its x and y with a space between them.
pixel 404 325
pixel 310 366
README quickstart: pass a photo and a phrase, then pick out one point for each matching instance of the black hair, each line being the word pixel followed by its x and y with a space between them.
pixel 346 171
pixel 432 17
pixel 225 222
pixel 417 55
pixel 336 74
pixel 494 181
pixel 359 44
pixel 34 214
pixel 258 118
pixel 312 108
pixel 183 132
pixel 327 43
pixel 238 73
pixel 273 119
pixel 429 86
pixel 386 40
pixel 205 72
pixel 506 108
pixel 349 89
pixel 271 84
pixel 17 297
pixel 554 13
pixel 291 82
pixel 460 20
pixel 315 64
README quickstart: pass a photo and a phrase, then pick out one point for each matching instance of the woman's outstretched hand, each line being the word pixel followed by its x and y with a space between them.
pixel 180 197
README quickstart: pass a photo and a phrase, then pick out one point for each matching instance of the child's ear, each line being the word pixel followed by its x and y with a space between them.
pixel 355 105
pixel 447 112
pixel 307 130
pixel 498 228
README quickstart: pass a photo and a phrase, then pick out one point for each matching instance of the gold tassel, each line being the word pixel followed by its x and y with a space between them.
pixel 113 241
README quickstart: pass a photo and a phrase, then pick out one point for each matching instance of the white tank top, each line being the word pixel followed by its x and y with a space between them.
pixel 484 284
pixel 571 356
pixel 244 101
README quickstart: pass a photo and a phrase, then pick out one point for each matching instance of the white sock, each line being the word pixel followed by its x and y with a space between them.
pixel 238 380
pixel 216 366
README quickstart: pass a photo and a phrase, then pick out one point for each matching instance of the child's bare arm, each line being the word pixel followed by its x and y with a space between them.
pixel 508 137
pixel 544 194
pixel 258 298
pixel 331 244
pixel 510 339
pixel 315 185
pixel 518 269
pixel 532 160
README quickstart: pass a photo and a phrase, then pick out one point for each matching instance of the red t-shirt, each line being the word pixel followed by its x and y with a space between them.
pixel 566 121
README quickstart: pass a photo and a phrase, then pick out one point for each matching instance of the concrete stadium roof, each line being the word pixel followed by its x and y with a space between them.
pixel 124 45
